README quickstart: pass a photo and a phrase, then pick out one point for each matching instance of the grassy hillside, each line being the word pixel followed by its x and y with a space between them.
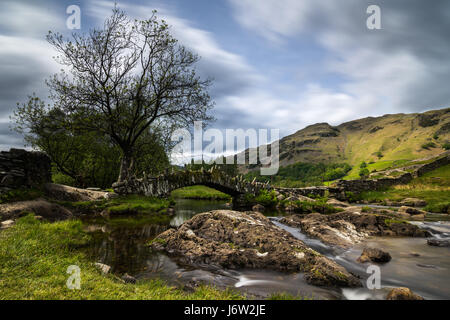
pixel 381 140
pixel 433 187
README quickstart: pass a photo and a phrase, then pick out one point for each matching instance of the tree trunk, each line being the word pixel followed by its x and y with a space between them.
pixel 126 167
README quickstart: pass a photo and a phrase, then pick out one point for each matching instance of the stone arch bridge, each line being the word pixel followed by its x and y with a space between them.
pixel 237 186
pixel 164 184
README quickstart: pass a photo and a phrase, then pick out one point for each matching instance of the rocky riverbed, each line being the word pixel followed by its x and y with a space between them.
pixel 233 239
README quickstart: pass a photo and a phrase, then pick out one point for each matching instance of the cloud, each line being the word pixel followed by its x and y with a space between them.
pixel 231 72
pixel 399 68
pixel 25 56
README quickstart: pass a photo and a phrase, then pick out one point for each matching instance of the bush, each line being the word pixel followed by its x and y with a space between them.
pixel 428 145
pixel 446 146
pixel 363 173
pixel 319 206
pixel 267 199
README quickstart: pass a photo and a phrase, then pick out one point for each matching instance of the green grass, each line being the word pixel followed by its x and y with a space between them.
pixel 433 187
pixel 378 166
pixel 136 204
pixel 200 192
pixel 130 204
pixel 34 257
pixel 286 296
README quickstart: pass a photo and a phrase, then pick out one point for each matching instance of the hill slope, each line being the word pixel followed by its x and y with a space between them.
pixel 387 138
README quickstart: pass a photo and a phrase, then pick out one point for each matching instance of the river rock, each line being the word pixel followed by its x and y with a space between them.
pixel 402 293
pixel 337 232
pixel 237 240
pixel 104 268
pixel 299 197
pixel 409 202
pixel 418 217
pixel 413 202
pixel 65 193
pixel 439 242
pixel 40 207
pixel 349 227
pixel 337 203
pixel 411 211
pixel 129 279
pixel 375 255
pixel 6 224
pixel 258 208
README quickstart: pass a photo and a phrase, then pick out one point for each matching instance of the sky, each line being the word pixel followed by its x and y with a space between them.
pixel 276 64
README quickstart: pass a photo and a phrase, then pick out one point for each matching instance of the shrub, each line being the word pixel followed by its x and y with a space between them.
pixel 266 198
pixel 428 145
pixel 363 173
pixel 446 146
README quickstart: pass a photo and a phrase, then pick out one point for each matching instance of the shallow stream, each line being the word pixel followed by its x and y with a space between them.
pixel 422 268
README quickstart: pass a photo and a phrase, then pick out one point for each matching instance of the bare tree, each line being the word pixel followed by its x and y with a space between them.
pixel 124 78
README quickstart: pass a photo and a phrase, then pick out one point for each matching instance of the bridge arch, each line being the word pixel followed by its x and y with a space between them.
pixel 163 185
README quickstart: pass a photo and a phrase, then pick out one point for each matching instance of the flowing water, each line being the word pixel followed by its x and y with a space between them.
pixel 414 264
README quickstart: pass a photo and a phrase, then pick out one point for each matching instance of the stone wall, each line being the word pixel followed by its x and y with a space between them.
pixel 312 192
pixel 23 169
pixel 379 184
pixel 439 162
pixel 375 184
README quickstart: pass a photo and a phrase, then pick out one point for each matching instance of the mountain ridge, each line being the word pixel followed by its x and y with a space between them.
pixel 401 136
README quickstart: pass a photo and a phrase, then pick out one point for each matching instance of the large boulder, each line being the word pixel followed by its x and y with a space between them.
pixel 349 227
pixel 47 210
pixel 337 203
pixel 375 255
pixel 65 193
pixel 258 208
pixel 409 202
pixel 402 293
pixel 411 211
pixel 336 232
pixel 236 240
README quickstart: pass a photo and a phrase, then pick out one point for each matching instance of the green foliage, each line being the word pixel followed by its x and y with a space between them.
pixel 267 199
pixel 200 192
pixel 428 145
pixel 320 206
pixel 364 173
pixel 34 257
pixel 439 207
pixel 363 165
pixel 380 155
pixel 389 222
pixel 303 174
pixel 20 195
pixel 446 146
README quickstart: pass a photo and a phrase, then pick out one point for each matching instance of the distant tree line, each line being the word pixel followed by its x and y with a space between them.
pixel 303 174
